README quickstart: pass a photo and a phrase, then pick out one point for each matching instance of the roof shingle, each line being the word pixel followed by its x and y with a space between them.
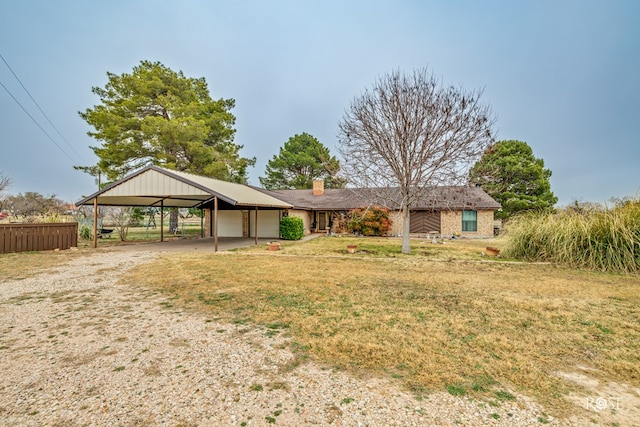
pixel 436 198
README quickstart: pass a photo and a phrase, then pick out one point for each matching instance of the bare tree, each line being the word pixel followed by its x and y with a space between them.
pixel 32 206
pixel 120 217
pixel 5 182
pixel 410 132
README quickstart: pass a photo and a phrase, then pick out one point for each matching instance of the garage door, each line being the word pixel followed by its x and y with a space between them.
pixel 268 224
pixel 422 222
pixel 230 223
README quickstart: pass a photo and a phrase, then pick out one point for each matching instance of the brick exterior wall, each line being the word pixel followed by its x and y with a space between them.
pixel 207 222
pixel 396 223
pixel 451 223
pixel 306 219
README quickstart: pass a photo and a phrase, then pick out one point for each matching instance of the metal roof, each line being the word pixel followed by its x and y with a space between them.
pixel 153 184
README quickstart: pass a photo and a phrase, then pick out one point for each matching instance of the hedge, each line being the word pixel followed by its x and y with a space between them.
pixel 291 228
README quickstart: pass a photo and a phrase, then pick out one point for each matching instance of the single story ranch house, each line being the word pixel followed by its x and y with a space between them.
pixel 236 210
pixel 444 211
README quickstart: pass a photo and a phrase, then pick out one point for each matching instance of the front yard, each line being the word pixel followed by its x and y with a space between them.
pixel 442 318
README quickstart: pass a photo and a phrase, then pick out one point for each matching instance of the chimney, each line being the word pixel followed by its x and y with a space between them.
pixel 318 187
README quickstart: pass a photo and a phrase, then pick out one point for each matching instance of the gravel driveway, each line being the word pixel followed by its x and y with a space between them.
pixel 79 348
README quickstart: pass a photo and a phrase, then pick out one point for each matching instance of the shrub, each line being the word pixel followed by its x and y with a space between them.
pixel 291 228
pixel 120 217
pixel 598 239
pixel 85 233
pixel 371 221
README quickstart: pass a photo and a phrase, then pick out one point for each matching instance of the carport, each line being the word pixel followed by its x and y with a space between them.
pixel 154 186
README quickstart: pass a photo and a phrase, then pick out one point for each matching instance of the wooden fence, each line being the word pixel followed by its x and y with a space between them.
pixel 38 237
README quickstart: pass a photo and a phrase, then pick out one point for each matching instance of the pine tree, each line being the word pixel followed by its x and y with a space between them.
pixel 510 173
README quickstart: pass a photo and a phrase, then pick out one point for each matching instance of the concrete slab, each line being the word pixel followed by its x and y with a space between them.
pixel 188 245
pixel 201 245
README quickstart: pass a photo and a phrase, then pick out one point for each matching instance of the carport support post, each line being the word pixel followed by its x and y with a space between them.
pixel 95 223
pixel 162 220
pixel 256 225
pixel 215 224
pixel 202 213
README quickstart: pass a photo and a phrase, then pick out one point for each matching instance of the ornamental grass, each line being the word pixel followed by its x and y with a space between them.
pixel 604 240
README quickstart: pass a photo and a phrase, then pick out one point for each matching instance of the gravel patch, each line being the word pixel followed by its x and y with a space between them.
pixel 79 349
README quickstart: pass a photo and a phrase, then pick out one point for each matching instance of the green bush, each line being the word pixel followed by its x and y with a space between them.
pixel 597 239
pixel 85 233
pixel 291 228
pixel 371 221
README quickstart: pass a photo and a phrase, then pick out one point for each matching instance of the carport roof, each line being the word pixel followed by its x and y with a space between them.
pixel 152 185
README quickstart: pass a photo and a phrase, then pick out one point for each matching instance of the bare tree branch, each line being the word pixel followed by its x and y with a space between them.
pixel 5 182
pixel 411 132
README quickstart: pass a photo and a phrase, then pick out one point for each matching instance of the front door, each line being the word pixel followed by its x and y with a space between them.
pixel 322 221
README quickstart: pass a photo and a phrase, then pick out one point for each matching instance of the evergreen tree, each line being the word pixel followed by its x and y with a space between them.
pixel 302 159
pixel 509 172
pixel 156 115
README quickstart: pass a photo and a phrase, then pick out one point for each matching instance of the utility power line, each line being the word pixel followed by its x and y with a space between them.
pixel 37 124
pixel 41 111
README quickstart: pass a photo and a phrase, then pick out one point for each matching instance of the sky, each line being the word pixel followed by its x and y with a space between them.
pixel 563 76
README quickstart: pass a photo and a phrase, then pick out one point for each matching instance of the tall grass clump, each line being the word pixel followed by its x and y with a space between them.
pixel 598 239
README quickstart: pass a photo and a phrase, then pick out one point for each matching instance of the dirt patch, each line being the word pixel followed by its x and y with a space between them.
pixel 604 402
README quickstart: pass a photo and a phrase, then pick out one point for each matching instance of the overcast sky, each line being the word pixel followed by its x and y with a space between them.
pixel 563 76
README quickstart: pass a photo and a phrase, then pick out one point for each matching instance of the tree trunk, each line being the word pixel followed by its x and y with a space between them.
pixel 173 220
pixel 406 243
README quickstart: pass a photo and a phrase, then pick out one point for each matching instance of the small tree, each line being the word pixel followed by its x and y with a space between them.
pixel 121 218
pixel 411 132
pixel 302 159
pixel 370 221
pixel 32 205
pixel 136 216
pixel 291 228
pixel 509 172
pixel 5 182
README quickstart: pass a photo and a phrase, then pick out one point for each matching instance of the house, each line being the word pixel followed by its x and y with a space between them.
pixel 236 210
pixel 446 210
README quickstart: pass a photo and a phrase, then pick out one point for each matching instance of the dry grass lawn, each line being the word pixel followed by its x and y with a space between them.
pixel 15 266
pixel 442 318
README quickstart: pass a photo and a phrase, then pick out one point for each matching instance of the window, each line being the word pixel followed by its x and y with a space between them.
pixel 469 221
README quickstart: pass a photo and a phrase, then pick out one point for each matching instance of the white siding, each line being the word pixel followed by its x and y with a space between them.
pixel 230 223
pixel 268 223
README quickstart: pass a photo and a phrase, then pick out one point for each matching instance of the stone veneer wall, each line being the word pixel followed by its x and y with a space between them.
pixel 451 223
